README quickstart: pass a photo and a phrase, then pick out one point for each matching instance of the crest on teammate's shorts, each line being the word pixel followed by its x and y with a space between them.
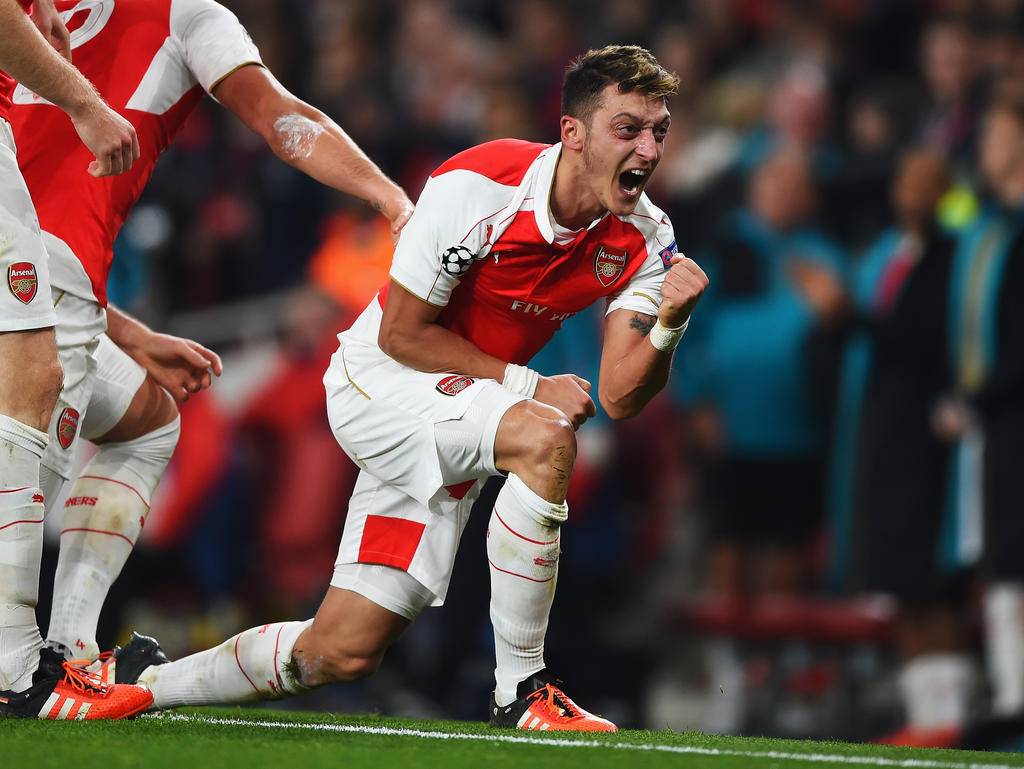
pixel 23 281
pixel 67 426
pixel 609 264
pixel 453 385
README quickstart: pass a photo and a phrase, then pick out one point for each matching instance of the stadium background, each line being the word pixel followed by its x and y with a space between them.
pixel 239 251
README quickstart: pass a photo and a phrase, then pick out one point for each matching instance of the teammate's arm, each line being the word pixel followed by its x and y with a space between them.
pixel 180 366
pixel 633 370
pixel 409 333
pixel 309 140
pixel 26 57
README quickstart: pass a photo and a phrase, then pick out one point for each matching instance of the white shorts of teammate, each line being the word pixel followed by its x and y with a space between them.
pixel 25 296
pixel 100 379
pixel 424 444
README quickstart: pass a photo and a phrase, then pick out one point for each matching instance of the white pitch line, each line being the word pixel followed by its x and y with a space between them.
pixel 830 758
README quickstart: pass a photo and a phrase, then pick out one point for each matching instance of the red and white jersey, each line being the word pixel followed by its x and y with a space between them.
pixel 482 245
pixel 152 60
pixel 6 81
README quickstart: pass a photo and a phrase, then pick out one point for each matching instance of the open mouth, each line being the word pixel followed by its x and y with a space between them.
pixel 632 181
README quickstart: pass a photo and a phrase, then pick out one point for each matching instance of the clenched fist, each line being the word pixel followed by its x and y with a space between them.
pixel 683 287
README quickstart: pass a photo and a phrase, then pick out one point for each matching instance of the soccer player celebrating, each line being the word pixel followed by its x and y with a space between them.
pixel 154 60
pixel 33 680
pixel 428 393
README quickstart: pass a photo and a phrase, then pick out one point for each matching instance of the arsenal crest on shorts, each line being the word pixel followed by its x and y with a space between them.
pixel 22 280
pixel 609 264
pixel 453 385
pixel 67 426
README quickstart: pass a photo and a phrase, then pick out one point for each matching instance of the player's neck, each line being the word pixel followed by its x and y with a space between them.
pixel 573 205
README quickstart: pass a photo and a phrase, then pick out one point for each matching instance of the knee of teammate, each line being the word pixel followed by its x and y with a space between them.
pixel 145 457
pixel 47 377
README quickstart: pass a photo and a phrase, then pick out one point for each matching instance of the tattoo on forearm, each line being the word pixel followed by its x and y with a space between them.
pixel 642 323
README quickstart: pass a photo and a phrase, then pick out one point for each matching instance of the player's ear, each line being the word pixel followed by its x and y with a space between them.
pixel 573 133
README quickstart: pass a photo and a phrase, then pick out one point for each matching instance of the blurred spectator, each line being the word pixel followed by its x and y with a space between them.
pixel 987 415
pixel 775 279
pixel 950 64
pixel 887 486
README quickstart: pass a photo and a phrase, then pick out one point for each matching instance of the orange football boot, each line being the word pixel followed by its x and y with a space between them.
pixel 62 690
pixel 545 707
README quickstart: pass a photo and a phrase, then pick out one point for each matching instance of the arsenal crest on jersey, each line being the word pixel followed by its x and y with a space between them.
pixel 23 281
pixel 454 384
pixel 609 264
pixel 67 426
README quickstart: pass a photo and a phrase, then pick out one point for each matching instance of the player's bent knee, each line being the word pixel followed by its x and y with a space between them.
pixel 553 445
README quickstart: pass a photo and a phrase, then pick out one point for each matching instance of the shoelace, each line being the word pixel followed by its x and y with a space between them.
pixel 82 679
pixel 557 697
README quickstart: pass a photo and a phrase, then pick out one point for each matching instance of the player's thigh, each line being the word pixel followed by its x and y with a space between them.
pixel 125 402
pixel 416 431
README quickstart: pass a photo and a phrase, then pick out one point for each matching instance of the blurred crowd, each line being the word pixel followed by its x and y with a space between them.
pixel 813 531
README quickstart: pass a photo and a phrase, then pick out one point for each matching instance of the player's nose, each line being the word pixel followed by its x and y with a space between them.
pixel 646 146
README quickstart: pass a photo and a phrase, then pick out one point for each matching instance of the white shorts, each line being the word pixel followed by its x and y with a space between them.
pixel 100 381
pixel 25 301
pixel 425 445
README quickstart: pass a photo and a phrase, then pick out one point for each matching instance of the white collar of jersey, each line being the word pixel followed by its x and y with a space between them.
pixel 542 183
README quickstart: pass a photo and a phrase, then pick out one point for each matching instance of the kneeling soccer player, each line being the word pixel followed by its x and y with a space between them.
pixel 428 394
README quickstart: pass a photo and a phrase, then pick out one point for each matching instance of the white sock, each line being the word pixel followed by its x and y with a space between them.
pixel 21 548
pixel 522 550
pixel 103 517
pixel 936 689
pixel 1004 646
pixel 254 665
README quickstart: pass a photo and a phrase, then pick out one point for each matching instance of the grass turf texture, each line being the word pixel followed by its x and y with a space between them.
pixel 257 738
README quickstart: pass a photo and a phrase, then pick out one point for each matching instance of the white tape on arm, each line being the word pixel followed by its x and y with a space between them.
pixel 520 379
pixel 666 339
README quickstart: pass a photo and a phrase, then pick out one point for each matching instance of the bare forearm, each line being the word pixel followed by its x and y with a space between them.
pixel 634 380
pixel 126 332
pixel 434 348
pixel 316 145
pixel 28 58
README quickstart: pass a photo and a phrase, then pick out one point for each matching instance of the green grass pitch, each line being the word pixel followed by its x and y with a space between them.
pixel 255 738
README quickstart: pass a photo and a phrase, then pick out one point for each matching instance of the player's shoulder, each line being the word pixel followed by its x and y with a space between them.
pixel 504 161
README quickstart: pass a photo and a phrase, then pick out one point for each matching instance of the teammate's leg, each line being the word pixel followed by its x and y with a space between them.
pixel 106 510
pixel 29 382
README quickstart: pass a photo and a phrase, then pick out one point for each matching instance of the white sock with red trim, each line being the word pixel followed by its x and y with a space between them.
pixel 522 550
pixel 254 665
pixel 103 517
pixel 21 548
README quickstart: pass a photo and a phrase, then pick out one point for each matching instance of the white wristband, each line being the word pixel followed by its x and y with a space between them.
pixel 666 339
pixel 520 379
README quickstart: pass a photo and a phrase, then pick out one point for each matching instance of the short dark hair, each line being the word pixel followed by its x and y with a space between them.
pixel 632 67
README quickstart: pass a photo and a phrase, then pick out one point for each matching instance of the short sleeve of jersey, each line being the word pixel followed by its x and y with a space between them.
pixel 441 240
pixel 212 40
pixel 643 292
